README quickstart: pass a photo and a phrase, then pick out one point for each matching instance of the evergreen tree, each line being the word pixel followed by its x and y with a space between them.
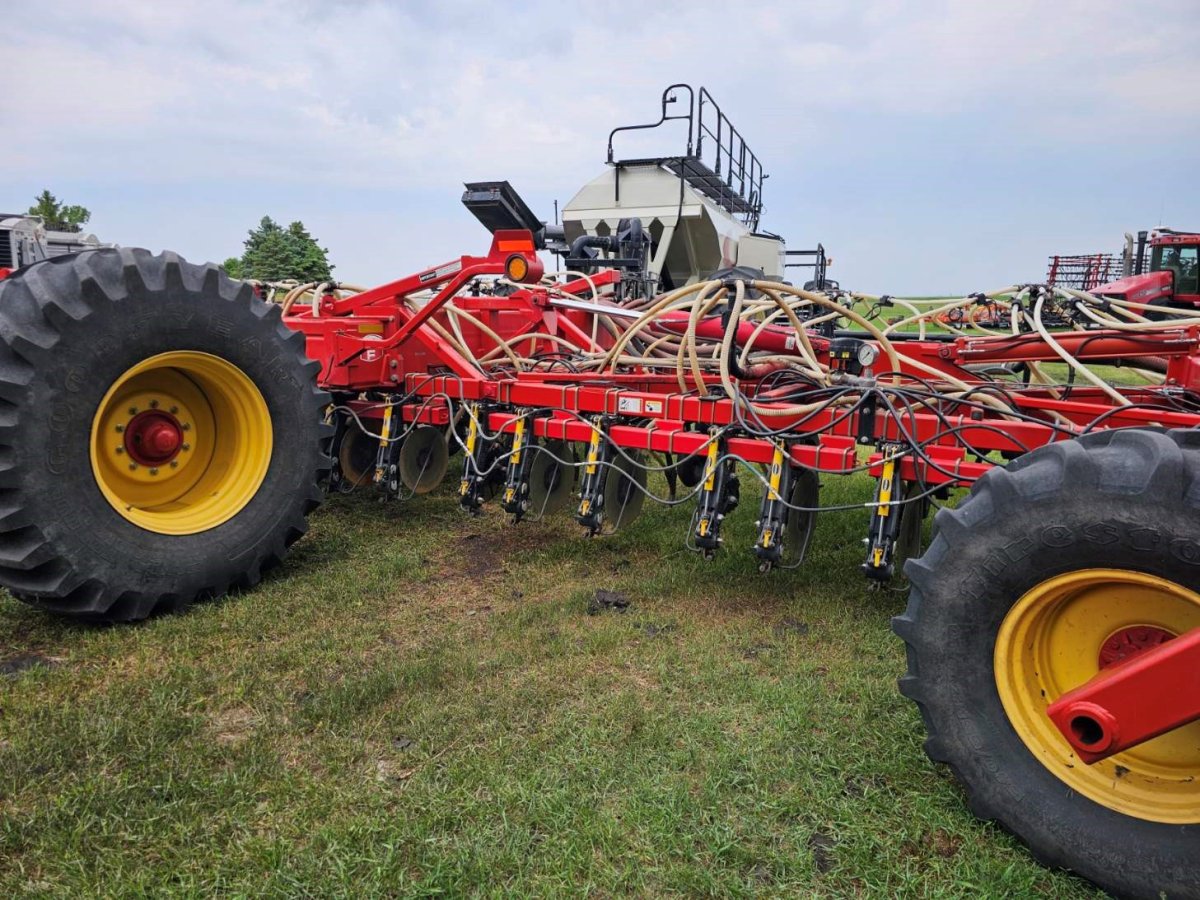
pixel 268 256
pixel 311 259
pixel 58 216
pixel 275 254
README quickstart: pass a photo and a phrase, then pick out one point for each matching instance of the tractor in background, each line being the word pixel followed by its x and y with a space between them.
pixel 1169 277
pixel 1161 267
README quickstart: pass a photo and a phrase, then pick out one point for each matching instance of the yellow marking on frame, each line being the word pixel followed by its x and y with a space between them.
pixel 518 440
pixel 472 436
pixel 387 426
pixel 710 468
pixel 473 430
pixel 776 473
pixel 384 435
pixel 885 488
pixel 593 451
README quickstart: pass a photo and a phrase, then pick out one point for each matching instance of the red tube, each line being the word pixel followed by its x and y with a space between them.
pixel 772 339
pixel 1152 693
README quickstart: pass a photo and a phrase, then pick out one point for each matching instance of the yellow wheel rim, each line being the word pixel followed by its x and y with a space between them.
pixel 181 442
pixel 1050 643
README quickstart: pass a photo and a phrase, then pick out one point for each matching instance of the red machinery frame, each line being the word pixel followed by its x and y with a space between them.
pixel 380 342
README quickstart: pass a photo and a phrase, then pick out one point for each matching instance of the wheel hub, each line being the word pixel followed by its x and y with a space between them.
pixel 1126 643
pixel 153 437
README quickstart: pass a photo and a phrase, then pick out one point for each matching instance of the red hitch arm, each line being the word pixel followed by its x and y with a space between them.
pixel 1129 703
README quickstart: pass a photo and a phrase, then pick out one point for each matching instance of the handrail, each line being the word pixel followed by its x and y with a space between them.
pixel 731 176
pixel 667 98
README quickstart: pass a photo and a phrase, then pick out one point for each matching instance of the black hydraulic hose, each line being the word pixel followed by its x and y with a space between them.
pixel 599 241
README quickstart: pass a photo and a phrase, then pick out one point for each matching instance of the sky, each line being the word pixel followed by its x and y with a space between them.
pixel 932 147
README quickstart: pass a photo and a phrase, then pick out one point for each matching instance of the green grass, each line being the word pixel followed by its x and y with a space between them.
pixel 420 703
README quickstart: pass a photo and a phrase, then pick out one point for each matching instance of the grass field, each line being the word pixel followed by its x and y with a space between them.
pixel 421 703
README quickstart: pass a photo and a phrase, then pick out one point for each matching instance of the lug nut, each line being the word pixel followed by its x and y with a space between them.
pixel 186 426
pixel 174 464
pixel 186 447
pixel 120 428
pixel 173 410
pixel 154 404
pixel 132 466
pixel 154 471
pixel 133 410
pixel 120 449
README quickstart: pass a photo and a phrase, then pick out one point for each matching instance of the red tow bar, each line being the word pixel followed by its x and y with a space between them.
pixel 1146 694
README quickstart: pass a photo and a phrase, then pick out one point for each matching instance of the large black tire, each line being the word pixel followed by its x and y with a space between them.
pixel 69 328
pixel 1121 499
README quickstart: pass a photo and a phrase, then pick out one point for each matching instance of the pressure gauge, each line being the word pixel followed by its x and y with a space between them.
pixel 851 355
pixel 867 354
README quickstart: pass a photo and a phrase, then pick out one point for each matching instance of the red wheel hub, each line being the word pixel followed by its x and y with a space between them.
pixel 153 437
pixel 1130 642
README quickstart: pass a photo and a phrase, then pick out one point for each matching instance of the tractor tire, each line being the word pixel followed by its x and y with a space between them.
pixel 161 435
pixel 1037 572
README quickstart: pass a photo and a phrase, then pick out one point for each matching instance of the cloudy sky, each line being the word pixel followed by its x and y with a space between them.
pixel 931 146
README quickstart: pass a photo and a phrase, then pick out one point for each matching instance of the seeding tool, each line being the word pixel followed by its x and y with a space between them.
pixel 165 431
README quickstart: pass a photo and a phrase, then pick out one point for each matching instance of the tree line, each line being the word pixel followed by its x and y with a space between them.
pixel 271 252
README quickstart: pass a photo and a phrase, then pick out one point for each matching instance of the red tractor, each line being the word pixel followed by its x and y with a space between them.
pixel 164 434
pixel 1172 277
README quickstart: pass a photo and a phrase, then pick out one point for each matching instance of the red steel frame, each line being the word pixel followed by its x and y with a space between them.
pixel 374 342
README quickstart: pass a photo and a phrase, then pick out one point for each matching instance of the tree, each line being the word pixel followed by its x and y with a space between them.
pixel 312 260
pixel 233 267
pixel 277 254
pixel 57 216
pixel 267 256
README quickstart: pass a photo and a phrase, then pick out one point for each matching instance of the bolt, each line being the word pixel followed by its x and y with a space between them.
pixel 154 471
pixel 174 409
pixel 120 428
pixel 120 449
pixel 186 447
pixel 133 410
pixel 186 426
pixel 174 464
pixel 154 404
pixel 132 466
